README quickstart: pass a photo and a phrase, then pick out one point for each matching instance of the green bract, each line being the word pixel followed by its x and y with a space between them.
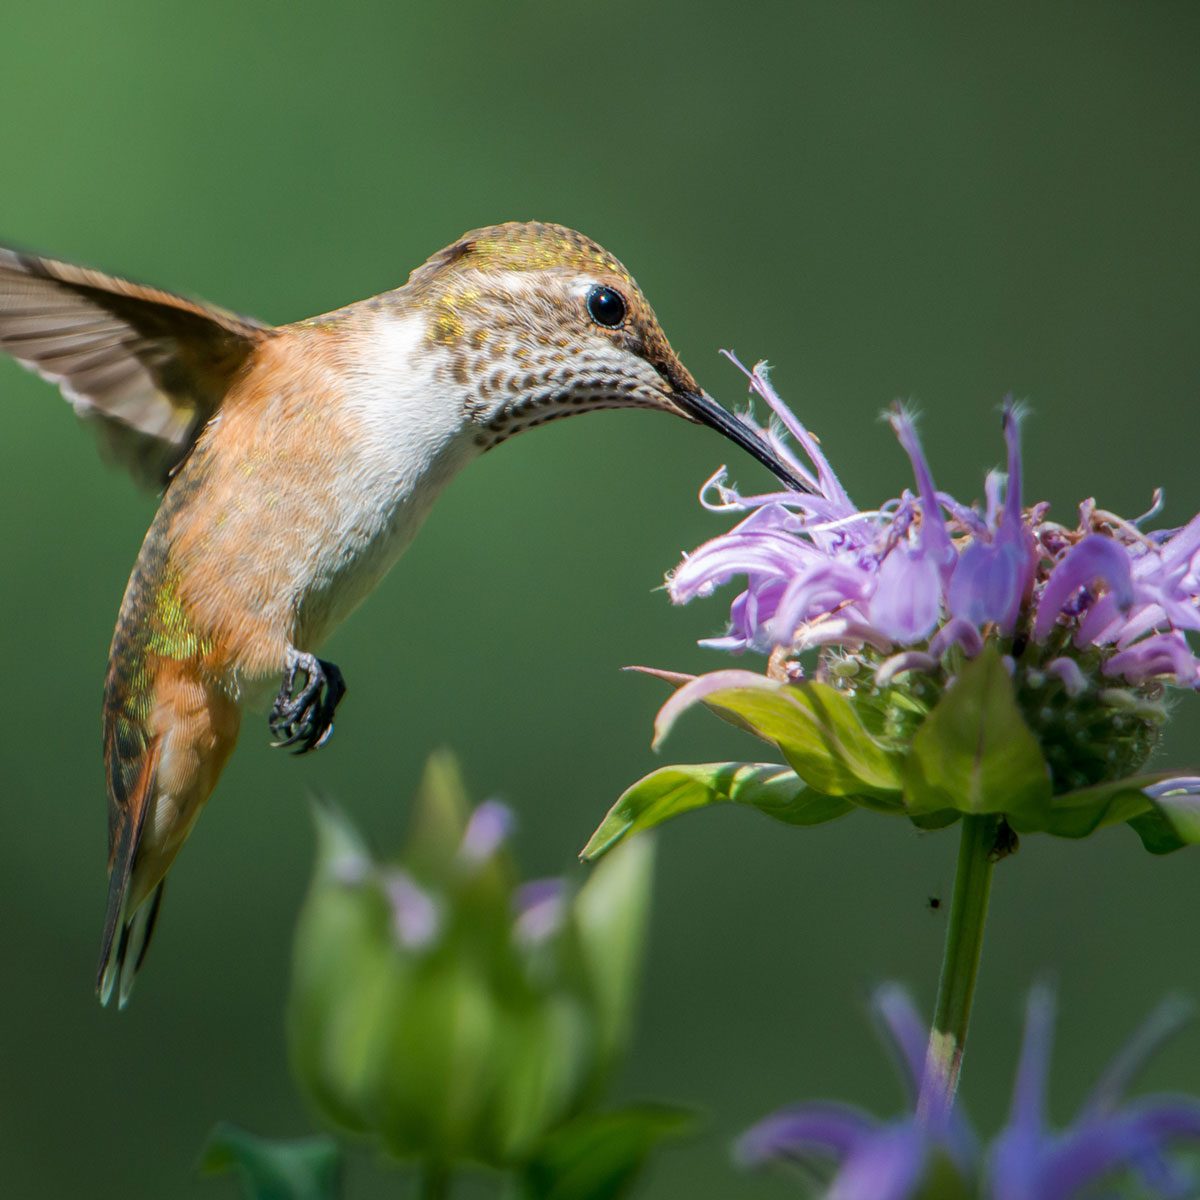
pixel 978 745
pixel 302 1169
pixel 433 1012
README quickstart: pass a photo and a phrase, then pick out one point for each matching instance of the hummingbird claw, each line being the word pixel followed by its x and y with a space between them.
pixel 303 716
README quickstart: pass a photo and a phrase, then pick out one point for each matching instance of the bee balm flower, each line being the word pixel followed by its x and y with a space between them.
pixel 912 1156
pixel 979 658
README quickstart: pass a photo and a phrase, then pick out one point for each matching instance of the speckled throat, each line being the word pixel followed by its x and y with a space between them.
pixel 534 385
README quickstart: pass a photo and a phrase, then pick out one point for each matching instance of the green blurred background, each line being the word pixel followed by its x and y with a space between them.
pixel 890 199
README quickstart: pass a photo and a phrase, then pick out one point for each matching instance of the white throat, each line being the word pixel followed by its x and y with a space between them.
pixel 401 419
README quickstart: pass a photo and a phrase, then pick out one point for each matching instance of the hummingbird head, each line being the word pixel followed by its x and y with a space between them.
pixel 538 322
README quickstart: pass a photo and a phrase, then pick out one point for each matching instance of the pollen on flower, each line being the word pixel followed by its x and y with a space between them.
pixel 1090 616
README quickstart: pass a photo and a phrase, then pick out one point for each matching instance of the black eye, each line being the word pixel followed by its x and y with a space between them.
pixel 606 307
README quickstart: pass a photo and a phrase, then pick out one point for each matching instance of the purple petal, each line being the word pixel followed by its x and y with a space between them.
pixel 1102 623
pixel 541 906
pixel 956 632
pixel 1033 1067
pixel 825 1130
pixel 907 601
pixel 1162 1025
pixel 1166 1119
pixel 934 538
pixel 1069 673
pixel 487 830
pixel 824 588
pixel 1015 1166
pixel 908 660
pixel 1180 786
pixel 898 1018
pixel 1089 1153
pixel 1164 654
pixel 1095 559
pixel 1181 613
pixel 1141 619
pixel 988 584
pixel 765 552
pixel 993 491
pixel 1183 545
pixel 967 517
pixel 1012 489
pixel 1018 1153
pixel 415 916
pixel 844 630
pixel 1013 537
pixel 887 1166
pixel 827 481
pixel 907 1033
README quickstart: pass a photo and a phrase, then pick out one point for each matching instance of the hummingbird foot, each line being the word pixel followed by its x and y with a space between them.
pixel 302 715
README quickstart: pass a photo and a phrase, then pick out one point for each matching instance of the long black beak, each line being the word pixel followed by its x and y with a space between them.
pixel 704 409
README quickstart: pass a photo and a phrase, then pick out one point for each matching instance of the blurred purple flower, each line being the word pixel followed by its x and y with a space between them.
pixel 541 906
pixel 487 830
pixel 416 920
pixel 864 1158
pixel 924 573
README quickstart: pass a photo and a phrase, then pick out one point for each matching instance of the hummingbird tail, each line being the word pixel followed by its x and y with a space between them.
pixel 161 772
pixel 126 935
pixel 126 951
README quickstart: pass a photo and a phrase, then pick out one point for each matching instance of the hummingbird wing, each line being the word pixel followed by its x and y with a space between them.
pixel 145 367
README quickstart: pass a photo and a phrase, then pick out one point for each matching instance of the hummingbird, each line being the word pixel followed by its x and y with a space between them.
pixel 296 463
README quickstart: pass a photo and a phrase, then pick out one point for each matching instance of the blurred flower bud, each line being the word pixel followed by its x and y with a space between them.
pixel 443 1010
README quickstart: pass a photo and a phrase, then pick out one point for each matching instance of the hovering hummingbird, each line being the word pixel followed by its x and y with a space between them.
pixel 298 462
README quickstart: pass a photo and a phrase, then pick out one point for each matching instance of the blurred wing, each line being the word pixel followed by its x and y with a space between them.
pixel 147 368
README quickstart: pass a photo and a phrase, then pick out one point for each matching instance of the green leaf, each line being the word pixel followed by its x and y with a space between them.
pixel 439 817
pixel 437 1064
pixel 815 726
pixel 341 850
pixel 672 791
pixel 610 913
pixel 600 1156
pixel 345 977
pixel 306 1169
pixel 545 1074
pixel 1157 833
pixel 1081 812
pixel 1172 821
pixel 974 752
pixel 932 821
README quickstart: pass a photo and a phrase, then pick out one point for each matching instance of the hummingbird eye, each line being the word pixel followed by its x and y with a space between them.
pixel 606 307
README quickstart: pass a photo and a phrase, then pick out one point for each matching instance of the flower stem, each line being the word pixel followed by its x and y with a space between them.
pixel 981 844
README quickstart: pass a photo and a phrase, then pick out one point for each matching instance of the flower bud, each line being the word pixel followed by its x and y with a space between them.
pixel 443 1011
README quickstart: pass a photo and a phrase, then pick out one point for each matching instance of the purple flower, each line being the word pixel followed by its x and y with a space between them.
pixel 906 607
pixel 541 908
pixel 865 1158
pixel 449 1013
pixel 487 830
pixel 923 571
pixel 416 920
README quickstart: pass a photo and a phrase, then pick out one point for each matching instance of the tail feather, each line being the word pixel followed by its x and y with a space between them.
pixel 127 934
pixel 169 728
pixel 119 970
pixel 135 939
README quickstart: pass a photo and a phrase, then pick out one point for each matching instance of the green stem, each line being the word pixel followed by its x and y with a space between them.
pixel 979 847
pixel 435 1182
